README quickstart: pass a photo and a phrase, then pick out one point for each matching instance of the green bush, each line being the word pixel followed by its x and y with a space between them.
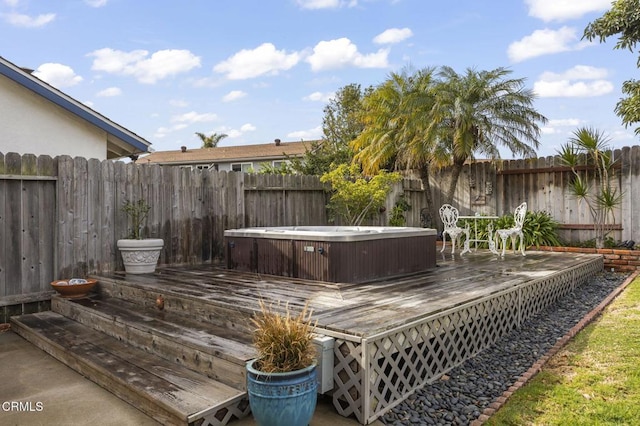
pixel 396 218
pixel 539 228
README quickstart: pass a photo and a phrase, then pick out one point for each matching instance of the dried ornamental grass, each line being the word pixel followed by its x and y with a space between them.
pixel 284 342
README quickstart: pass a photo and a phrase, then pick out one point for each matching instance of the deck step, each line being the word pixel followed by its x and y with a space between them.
pixel 206 348
pixel 201 302
pixel 167 392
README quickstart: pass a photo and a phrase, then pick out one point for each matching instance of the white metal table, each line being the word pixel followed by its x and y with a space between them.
pixel 475 239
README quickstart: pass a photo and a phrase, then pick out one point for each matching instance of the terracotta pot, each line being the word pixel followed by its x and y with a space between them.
pixel 73 291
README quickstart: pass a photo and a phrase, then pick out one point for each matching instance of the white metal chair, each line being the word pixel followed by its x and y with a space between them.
pixel 449 217
pixel 515 231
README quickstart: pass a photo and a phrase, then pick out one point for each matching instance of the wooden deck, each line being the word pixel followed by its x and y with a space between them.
pixel 382 339
pixel 363 309
pixel 393 335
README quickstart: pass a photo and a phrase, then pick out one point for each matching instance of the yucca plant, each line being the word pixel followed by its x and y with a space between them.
pixel 284 341
pixel 595 186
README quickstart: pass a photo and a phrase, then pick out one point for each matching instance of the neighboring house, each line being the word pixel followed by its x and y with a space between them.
pixel 245 158
pixel 36 118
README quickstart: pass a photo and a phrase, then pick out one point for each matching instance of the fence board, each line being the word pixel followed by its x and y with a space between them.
pixel 13 228
pixel 47 166
pixel 30 229
pixel 631 197
pixel 29 226
pixel 80 218
pixel 4 238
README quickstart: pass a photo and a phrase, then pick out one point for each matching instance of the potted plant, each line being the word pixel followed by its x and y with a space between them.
pixel 140 255
pixel 281 381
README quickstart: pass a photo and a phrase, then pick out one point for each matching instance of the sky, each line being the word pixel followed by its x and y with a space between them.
pixel 258 70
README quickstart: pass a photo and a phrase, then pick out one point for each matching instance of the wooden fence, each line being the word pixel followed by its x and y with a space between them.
pixel 498 189
pixel 61 217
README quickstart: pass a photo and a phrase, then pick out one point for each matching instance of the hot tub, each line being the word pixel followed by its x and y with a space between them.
pixel 349 254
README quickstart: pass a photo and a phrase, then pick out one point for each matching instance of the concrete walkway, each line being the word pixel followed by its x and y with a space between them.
pixel 50 393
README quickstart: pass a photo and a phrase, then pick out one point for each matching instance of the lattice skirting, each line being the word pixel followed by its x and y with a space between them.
pixel 374 374
pixel 235 410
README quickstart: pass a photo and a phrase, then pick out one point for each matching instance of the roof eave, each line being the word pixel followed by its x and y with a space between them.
pixel 57 97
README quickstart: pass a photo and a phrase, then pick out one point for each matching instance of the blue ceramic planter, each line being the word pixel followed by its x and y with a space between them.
pixel 279 399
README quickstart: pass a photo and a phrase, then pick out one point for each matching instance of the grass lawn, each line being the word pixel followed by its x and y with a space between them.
pixel 594 380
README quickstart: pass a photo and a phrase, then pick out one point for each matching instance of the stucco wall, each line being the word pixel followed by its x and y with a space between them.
pixel 30 124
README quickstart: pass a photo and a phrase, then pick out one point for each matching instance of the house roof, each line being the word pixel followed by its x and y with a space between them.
pixel 239 153
pixel 120 141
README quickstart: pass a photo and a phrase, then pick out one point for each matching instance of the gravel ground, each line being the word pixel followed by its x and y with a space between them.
pixel 472 386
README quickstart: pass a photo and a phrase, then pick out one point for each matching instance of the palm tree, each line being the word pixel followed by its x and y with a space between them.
pixel 394 133
pixel 479 112
pixel 211 141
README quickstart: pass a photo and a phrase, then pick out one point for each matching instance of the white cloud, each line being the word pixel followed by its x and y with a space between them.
pixel 236 133
pixel 622 135
pixel 57 75
pixel 579 81
pixel 233 133
pixel 560 10
pixel 326 4
pixel 263 60
pixel 558 126
pixel 178 103
pixel 319 97
pixel 109 92
pixel 12 3
pixel 116 61
pixel 26 21
pixel 544 42
pixel 233 95
pixel 146 69
pixel 565 122
pixel 208 82
pixel 567 89
pixel 342 52
pixel 96 3
pixel 164 131
pixel 194 117
pixel 182 121
pixel 393 35
pixel 578 72
pixel 306 135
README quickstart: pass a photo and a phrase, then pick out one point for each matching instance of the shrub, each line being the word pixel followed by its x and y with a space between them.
pixel 539 228
pixel 137 212
pixel 354 196
pixel 396 218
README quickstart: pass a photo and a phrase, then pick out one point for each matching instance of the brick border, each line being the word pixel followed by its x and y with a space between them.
pixel 619 260
pixel 537 366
